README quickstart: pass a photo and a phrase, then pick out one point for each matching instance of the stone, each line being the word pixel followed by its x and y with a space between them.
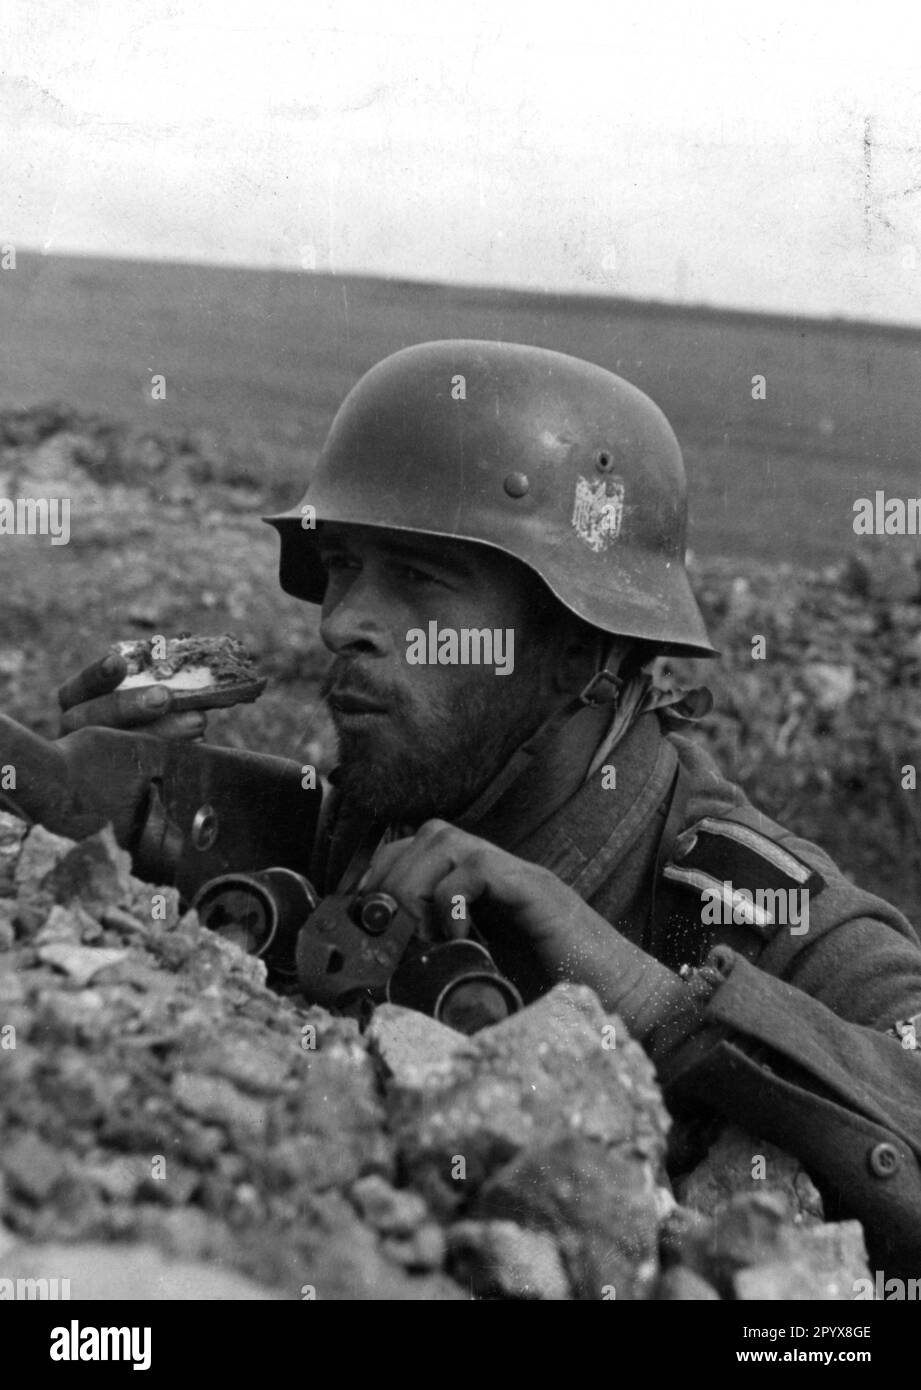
pixel 421 1249
pixel 680 1285
pixel 212 1098
pixel 347 1262
pixel 249 1064
pixel 78 1014
pixel 540 1075
pixel 71 924
pixel 753 1232
pixel 8 1240
pixel 499 1259
pixel 32 1167
pixel 119 920
pixel 121 1177
pixel 8 912
pixel 415 1050
pixel 12 834
pixel 40 854
pixel 80 963
pixel 12 987
pixel 133 1273
pixel 831 686
pixel 96 872
pixel 336 1123
pixel 729 1168
pixel 388 1210
pixel 139 906
pixel 787 1280
pixel 596 1201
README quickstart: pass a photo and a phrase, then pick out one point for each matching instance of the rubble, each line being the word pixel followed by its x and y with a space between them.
pixel 173 1128
pixel 740 1163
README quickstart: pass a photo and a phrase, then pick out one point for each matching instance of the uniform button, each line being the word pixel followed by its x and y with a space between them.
pixel 884 1160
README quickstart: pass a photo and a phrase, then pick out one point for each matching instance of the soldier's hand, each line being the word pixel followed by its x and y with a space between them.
pixel 92 698
pixel 441 863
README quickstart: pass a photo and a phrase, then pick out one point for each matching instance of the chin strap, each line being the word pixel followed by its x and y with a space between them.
pixel 603 688
pixel 628 699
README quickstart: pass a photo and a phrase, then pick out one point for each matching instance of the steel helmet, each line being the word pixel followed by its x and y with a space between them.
pixel 550 459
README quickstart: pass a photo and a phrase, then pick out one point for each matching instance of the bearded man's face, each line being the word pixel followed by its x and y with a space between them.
pixel 420 740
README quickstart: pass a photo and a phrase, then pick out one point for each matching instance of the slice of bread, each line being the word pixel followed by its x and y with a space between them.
pixel 201 672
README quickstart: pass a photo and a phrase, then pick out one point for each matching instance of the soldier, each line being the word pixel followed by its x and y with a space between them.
pixel 489 488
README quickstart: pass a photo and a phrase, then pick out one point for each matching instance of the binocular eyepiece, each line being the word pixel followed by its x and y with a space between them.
pixel 350 952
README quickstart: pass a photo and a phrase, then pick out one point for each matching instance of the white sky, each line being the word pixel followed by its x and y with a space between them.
pixel 711 152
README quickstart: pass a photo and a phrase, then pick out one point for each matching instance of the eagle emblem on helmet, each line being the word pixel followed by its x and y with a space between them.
pixel 598 511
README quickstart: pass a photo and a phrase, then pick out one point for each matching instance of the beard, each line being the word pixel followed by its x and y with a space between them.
pixel 432 753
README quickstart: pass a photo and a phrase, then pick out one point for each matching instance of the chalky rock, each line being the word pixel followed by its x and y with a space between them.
pixel 415 1051
pixel 541 1122
pixel 39 855
pixel 598 1203
pixel 95 1272
pixel 831 686
pixel 749 1249
pixel 12 832
pixel 79 963
pixel 7 923
pixel 96 873
pixel 174 1129
pixel 346 1261
pixel 738 1163
pixel 401 1218
pixel 499 1259
pixel 682 1285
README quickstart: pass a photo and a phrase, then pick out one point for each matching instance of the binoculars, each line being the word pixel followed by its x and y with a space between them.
pixel 350 952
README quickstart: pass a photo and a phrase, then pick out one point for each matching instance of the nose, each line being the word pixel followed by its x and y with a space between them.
pixel 353 620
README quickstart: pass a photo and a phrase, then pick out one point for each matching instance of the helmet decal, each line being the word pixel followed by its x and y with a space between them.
pixel 598 510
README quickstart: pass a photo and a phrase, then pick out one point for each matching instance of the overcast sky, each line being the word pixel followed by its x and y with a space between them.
pixel 763 156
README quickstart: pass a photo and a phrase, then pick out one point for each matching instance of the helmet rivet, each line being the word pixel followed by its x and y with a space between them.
pixel 516 484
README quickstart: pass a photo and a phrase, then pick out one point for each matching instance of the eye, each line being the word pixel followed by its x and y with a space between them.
pixel 417 576
pixel 336 560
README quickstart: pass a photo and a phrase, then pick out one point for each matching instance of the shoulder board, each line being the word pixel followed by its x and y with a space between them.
pixel 749 873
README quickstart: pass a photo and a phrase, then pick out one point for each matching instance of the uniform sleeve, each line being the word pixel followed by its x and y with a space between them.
pixel 822 1063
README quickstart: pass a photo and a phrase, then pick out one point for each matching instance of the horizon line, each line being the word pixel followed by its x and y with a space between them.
pixel 587 298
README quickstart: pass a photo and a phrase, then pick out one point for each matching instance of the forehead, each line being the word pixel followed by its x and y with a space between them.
pixel 465 558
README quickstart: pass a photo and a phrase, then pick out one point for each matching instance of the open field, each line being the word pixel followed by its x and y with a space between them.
pixel 264 358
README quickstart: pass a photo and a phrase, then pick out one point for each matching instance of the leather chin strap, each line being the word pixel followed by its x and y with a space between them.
pixel 603 688
pixel 629 699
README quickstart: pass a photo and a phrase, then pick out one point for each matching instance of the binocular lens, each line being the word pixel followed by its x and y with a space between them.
pixel 474 1004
